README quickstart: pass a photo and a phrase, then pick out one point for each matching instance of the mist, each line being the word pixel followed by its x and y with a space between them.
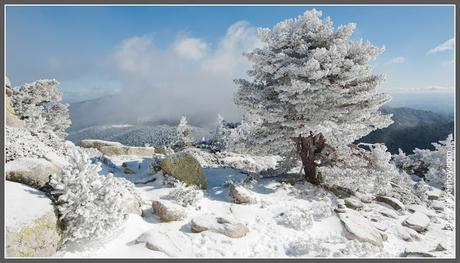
pixel 188 78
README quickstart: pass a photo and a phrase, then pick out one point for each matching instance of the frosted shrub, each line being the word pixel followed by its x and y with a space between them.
pixel 310 248
pixel 296 218
pixel 186 195
pixel 37 103
pixel 89 204
pixel 309 77
pixel 362 171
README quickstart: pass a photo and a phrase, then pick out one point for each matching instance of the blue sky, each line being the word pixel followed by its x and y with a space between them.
pixel 88 48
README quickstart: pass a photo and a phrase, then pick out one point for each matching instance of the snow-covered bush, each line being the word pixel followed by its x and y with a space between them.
pixel 434 165
pixel 37 103
pixel 186 195
pixel 309 77
pixel 184 138
pixel 89 204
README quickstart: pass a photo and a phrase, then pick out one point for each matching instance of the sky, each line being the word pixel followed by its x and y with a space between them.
pixel 179 60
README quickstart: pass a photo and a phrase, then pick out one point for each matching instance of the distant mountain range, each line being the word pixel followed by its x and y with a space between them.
pixel 412 129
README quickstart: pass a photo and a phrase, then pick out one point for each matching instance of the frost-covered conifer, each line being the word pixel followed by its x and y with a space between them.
pixel 37 103
pixel 309 77
pixel 89 204
pixel 183 133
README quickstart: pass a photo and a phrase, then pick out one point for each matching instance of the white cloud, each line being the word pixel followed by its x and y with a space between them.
pixel 185 78
pixel 396 60
pixel 191 48
pixel 447 45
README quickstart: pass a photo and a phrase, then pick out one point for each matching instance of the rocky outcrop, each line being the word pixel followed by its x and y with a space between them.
pixel 168 211
pixel 360 228
pixel 31 225
pixel 185 168
pixel 110 148
pixel 31 171
pixel 240 195
pixel 225 226
pixel 98 143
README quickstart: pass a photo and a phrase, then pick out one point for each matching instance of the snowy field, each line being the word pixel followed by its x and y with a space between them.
pixel 285 221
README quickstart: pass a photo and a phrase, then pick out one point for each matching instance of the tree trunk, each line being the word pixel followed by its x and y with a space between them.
pixel 309 148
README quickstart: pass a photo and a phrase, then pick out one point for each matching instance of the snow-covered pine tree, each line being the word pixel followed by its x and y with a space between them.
pixel 184 138
pixel 37 103
pixel 310 77
pixel 219 140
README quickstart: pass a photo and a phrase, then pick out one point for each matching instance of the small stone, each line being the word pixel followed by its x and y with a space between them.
pixel 225 226
pixel 128 170
pixel 407 234
pixel 417 221
pixel 388 212
pixel 437 205
pixel 441 247
pixel 434 194
pixel 240 195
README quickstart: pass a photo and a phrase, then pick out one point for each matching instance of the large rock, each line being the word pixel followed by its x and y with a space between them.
pixel 31 171
pixel 240 195
pixel 168 211
pixel 31 225
pixel 360 228
pixel 225 226
pixel 185 168
pixel 417 221
pixel 393 202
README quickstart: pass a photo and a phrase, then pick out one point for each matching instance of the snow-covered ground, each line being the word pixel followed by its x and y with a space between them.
pixel 286 221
